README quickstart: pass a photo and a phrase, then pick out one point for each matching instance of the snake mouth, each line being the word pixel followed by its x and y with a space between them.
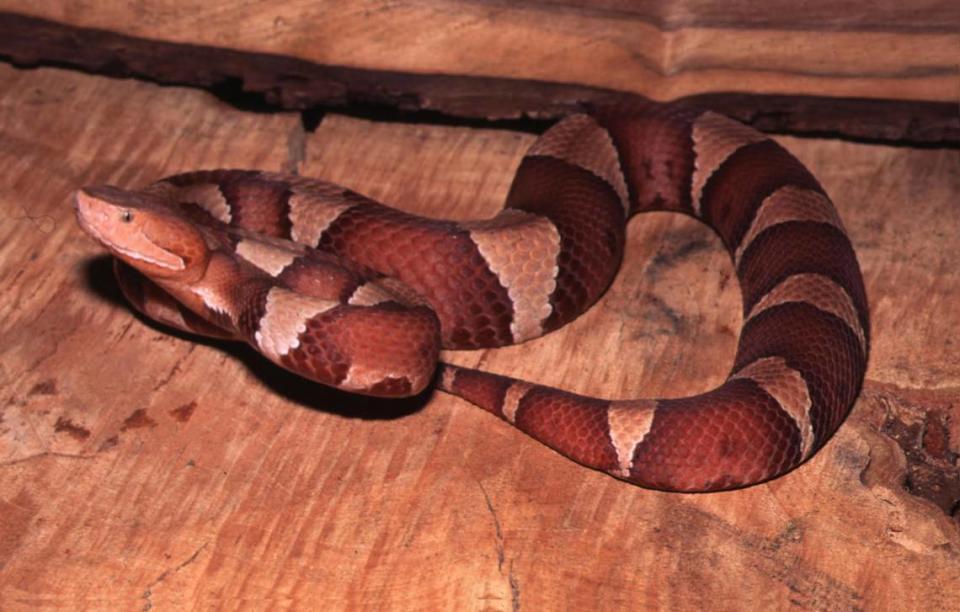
pixel 114 224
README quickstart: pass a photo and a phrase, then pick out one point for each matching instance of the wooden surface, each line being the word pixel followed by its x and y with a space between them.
pixel 848 49
pixel 883 72
pixel 142 470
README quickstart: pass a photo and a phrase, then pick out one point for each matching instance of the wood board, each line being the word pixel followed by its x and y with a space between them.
pixel 883 72
pixel 193 475
pixel 655 48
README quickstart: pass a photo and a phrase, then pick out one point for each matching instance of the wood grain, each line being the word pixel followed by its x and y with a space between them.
pixel 852 68
pixel 567 42
pixel 917 16
pixel 192 475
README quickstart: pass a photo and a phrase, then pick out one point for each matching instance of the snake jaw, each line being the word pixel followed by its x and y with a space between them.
pixel 145 234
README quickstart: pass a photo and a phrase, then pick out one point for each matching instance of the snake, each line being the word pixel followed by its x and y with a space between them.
pixel 357 295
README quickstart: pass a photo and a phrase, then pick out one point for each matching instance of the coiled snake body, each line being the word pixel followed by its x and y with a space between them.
pixel 353 294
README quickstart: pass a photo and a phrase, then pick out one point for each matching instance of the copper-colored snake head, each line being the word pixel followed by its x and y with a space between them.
pixel 143 231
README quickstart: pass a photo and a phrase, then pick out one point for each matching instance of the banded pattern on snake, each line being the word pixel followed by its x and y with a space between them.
pixel 351 293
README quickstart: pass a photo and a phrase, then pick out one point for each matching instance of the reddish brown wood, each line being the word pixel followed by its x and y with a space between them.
pixel 829 15
pixel 268 80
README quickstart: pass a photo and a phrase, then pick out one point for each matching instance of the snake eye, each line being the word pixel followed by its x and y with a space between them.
pixel 126 216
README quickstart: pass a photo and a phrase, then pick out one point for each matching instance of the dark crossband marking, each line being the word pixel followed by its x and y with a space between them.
pixel 285 318
pixel 816 290
pixel 313 208
pixel 789 388
pixel 789 203
pixel 582 142
pixel 715 138
pixel 521 249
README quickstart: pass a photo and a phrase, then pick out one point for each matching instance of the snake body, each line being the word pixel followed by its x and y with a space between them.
pixel 351 293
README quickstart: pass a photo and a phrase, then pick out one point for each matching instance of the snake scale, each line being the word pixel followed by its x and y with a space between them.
pixel 351 293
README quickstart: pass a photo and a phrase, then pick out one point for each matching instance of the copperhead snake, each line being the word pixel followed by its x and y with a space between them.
pixel 350 293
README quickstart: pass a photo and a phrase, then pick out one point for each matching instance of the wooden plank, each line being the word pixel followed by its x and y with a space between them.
pixel 573 42
pixel 855 75
pixel 917 16
pixel 193 475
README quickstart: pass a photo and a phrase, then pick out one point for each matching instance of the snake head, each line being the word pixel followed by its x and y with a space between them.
pixel 143 231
